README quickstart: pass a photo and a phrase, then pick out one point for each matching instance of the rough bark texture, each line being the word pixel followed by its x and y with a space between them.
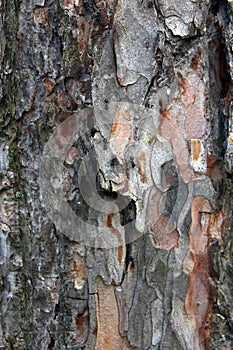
pixel 136 97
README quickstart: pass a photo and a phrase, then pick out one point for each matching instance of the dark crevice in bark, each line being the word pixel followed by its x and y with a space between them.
pixel 128 214
pixel 90 9
pixel 220 107
pixel 147 95
pixel 128 217
pixel 105 194
pixel 52 343
pixel 112 39
pixel 214 6
pixel 129 259
pixel 220 80
pixel 221 259
pixel 57 309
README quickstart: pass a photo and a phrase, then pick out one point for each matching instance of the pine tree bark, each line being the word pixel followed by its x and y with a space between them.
pixel 116 170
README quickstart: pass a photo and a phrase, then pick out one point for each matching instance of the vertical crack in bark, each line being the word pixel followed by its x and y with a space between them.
pixel 221 105
pixel 220 80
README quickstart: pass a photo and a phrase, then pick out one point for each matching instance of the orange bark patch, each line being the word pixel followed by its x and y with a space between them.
pixel 127 114
pixel 71 155
pixel 117 7
pixel 119 80
pixel 109 220
pixel 40 16
pixel 107 342
pixel 141 160
pixel 231 139
pixel 49 84
pixel 118 235
pixel 122 127
pixel 163 112
pixel 193 99
pixel 198 232
pixel 82 322
pixel 164 234
pixel 196 149
pixel 114 129
pixel 179 124
pixel 108 337
pixel 120 254
pixel 199 298
pixel 70 3
pixel 214 169
pixel 80 268
pixel 83 37
pixel 228 97
pixel 122 130
pixel 195 60
pixel 219 223
pixel 171 131
pixel 187 96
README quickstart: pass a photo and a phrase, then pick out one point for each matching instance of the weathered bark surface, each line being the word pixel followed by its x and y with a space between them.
pixel 115 163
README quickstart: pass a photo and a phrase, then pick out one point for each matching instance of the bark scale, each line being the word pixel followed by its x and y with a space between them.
pixel 136 97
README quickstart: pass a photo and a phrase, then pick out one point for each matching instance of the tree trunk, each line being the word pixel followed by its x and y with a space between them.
pixel 116 186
